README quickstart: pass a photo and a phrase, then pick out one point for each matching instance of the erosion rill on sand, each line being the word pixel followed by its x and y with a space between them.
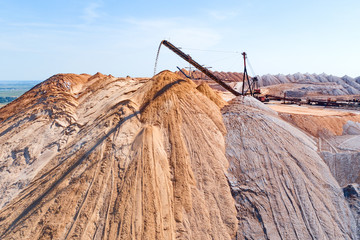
pixel 99 157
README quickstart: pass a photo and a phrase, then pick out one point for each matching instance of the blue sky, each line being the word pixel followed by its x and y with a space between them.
pixel 41 38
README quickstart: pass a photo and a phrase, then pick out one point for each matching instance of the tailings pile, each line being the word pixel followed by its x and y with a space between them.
pixel 101 157
pixel 117 158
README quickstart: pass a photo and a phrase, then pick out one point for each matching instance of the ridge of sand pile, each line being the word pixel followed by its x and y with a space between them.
pixel 207 91
pixel 283 189
pixel 316 121
pixel 42 96
pixel 136 160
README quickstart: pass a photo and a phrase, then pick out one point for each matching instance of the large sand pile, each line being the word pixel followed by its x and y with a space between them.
pixel 283 189
pixel 99 157
pixel 207 91
pixel 134 160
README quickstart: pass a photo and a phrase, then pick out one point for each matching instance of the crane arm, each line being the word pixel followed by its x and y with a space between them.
pixel 199 67
pixel 183 73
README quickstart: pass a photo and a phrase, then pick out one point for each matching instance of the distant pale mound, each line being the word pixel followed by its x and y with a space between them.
pixel 106 158
pixel 207 91
pixel 282 187
pixel 300 85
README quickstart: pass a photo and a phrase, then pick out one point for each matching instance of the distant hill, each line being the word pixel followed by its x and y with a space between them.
pixel 330 85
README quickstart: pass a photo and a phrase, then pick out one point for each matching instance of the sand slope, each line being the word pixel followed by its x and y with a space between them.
pixel 283 189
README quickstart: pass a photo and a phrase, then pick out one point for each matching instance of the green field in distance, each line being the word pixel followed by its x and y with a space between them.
pixel 10 90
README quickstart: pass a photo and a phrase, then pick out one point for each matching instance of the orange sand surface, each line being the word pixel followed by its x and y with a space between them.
pixel 316 120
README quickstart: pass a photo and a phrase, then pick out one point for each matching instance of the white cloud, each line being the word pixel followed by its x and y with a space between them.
pixel 222 15
pixel 91 12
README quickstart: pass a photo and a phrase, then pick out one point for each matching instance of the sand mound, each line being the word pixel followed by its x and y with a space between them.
pixel 207 91
pixel 283 189
pixel 252 102
pixel 139 159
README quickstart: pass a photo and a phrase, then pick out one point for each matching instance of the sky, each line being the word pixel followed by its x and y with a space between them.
pixel 41 38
